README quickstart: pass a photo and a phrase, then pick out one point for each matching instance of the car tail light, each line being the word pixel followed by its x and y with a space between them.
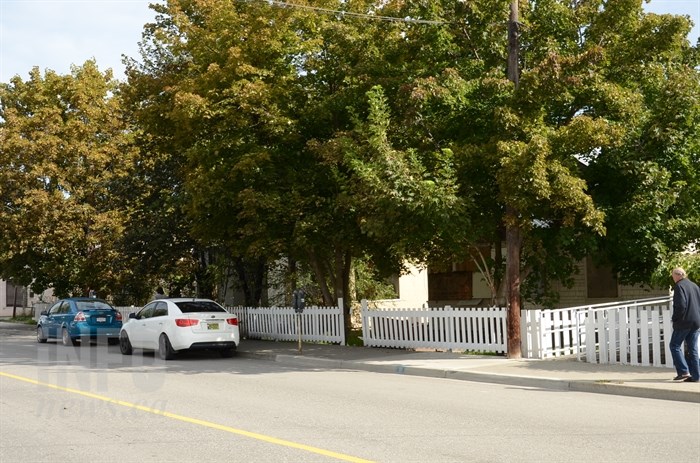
pixel 119 316
pixel 186 322
pixel 232 321
pixel 79 317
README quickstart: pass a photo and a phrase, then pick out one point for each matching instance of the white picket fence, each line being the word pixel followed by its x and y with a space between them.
pixel 466 329
pixel 549 333
pixel 316 324
pixel 630 333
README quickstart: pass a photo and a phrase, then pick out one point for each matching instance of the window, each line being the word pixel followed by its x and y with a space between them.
pixel 601 282
pixel 15 295
pixel 93 305
pixel 450 286
pixel 161 309
pixel 199 306
pixel 55 308
pixel 146 312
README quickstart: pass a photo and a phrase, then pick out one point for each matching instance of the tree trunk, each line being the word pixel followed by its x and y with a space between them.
pixel 258 279
pixel 513 280
pixel 250 277
pixel 513 47
pixel 14 304
pixel 293 277
pixel 342 264
pixel 498 265
pixel 317 267
pixel 513 238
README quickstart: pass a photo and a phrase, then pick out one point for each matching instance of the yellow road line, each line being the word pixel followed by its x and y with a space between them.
pixel 186 419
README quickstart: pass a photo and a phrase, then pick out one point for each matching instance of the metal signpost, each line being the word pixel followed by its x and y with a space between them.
pixel 299 302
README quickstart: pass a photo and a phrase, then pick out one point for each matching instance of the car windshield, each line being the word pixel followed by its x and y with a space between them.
pixel 199 306
pixel 92 305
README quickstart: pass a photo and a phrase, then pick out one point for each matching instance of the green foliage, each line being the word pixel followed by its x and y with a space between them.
pixel 690 262
pixel 251 134
pixel 25 320
pixel 355 339
pixel 369 284
pixel 64 153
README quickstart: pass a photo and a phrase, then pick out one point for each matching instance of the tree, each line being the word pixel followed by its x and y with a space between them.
pixel 209 98
pixel 265 175
pixel 530 156
pixel 64 153
pixel 648 185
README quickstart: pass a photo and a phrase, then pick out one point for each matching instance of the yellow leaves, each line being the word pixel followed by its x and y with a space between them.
pixel 64 147
pixel 523 178
pixel 584 137
pixel 189 106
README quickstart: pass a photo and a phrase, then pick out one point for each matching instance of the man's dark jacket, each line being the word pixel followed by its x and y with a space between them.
pixel 686 306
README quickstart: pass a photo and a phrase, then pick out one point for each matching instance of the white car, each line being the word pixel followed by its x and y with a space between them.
pixel 172 325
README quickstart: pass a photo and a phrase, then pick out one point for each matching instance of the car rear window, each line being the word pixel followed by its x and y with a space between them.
pixel 92 305
pixel 199 306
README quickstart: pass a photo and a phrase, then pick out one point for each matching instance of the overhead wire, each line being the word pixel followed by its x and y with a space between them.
pixel 343 13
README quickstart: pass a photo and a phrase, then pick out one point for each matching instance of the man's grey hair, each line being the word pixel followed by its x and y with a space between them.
pixel 679 272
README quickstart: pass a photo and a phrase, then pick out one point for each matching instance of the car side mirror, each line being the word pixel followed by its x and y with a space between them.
pixel 44 312
pixel 132 315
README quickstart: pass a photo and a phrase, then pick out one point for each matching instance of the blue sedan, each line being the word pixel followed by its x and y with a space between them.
pixel 79 318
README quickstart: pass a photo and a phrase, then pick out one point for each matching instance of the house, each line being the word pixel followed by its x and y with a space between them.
pixel 13 298
pixel 19 300
pixel 462 285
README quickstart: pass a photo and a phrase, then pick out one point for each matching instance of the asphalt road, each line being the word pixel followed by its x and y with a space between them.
pixel 92 404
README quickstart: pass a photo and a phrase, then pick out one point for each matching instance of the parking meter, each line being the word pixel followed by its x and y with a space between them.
pixel 299 300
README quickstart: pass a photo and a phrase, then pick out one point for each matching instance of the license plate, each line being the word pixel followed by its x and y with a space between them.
pixel 101 319
pixel 212 326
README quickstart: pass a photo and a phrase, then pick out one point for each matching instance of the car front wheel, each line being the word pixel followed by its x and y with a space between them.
pixel 125 344
pixel 40 335
pixel 165 349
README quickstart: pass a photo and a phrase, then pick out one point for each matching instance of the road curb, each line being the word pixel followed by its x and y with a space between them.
pixel 623 389
pixel 597 387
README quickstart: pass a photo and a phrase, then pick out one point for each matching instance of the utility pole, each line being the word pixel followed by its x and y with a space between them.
pixel 513 238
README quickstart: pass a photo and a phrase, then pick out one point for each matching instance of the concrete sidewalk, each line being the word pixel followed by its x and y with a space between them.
pixel 561 374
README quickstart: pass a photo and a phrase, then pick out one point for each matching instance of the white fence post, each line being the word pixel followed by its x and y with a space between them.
pixel 532 332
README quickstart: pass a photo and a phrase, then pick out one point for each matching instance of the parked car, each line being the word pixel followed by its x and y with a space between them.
pixel 173 325
pixel 79 319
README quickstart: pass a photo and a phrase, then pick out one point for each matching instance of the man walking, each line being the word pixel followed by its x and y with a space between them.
pixel 686 327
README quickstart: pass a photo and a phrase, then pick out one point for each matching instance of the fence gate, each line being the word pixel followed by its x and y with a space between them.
pixel 629 333
pixel 474 329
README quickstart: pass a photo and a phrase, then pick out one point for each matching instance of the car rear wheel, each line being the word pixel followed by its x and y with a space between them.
pixel 125 344
pixel 165 349
pixel 40 335
pixel 67 340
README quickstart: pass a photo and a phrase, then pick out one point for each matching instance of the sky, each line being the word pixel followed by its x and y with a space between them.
pixel 55 34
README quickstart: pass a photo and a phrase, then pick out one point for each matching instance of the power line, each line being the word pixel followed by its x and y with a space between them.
pixel 352 14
